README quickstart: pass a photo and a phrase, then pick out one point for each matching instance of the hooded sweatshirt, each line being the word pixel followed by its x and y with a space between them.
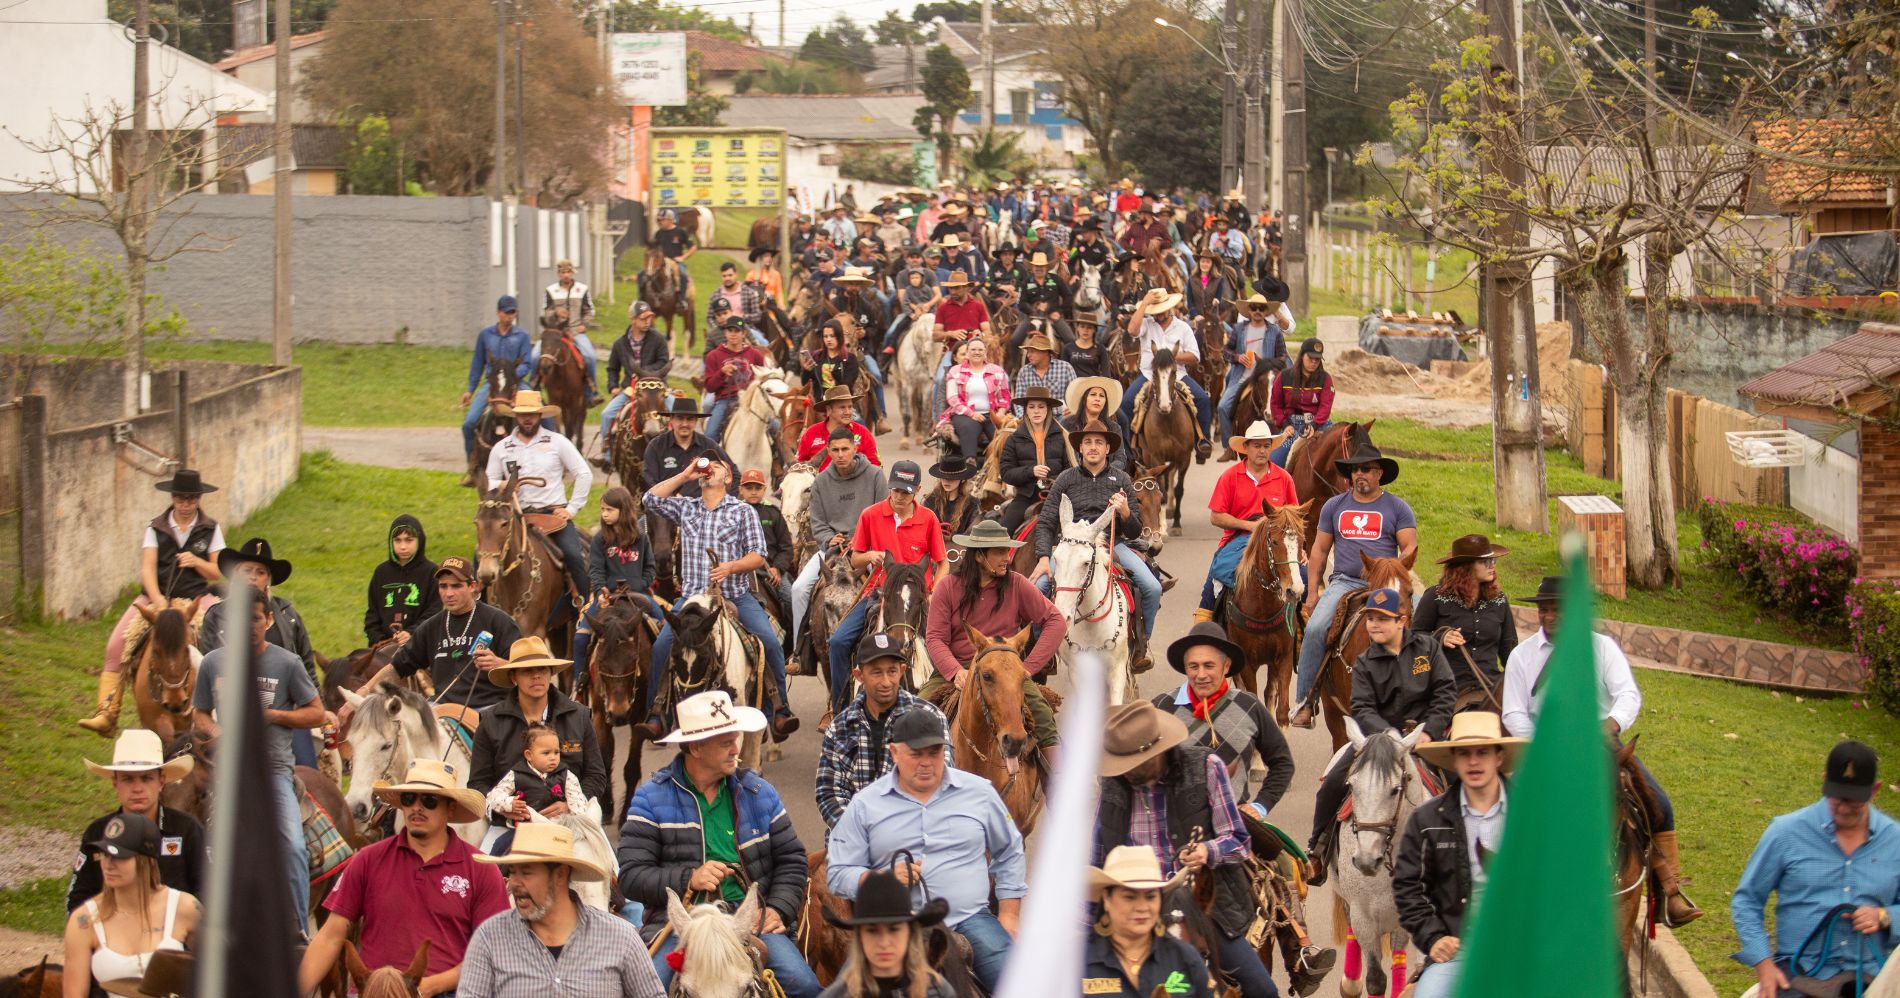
pixel 836 500
pixel 401 589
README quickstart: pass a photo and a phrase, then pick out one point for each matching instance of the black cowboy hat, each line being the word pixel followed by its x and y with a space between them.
pixel 955 468
pixel 1472 547
pixel 1549 590
pixel 185 480
pixel 885 900
pixel 1271 288
pixel 1368 454
pixel 759 251
pixel 1204 633
pixel 684 405
pixel 257 551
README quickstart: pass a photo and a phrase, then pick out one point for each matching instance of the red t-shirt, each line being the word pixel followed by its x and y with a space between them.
pixel 917 538
pixel 817 437
pixel 1238 495
pixel 957 318
pixel 398 900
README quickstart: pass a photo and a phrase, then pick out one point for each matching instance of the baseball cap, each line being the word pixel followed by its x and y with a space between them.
pixel 721 305
pixel 1851 772
pixel 906 476
pixel 882 645
pixel 752 476
pixel 733 322
pixel 127 835
pixel 1386 603
pixel 642 308
pixel 458 567
pixel 506 303
pixel 918 729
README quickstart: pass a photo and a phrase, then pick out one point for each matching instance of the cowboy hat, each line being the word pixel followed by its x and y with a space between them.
pixel 1549 590
pixel 437 778
pixel 1135 733
pixel 958 279
pixel 257 552
pixel 1272 288
pixel 1005 248
pixel 526 653
pixel 140 751
pixel 759 251
pixel 951 209
pixel 528 400
pixel 1258 432
pixel 1039 259
pixel 986 534
pixel 1470 729
pixel 1135 868
pixel 1072 400
pixel 185 481
pixel 1035 393
pixel 711 714
pixel 952 241
pixel 854 275
pixel 1234 195
pixel 1257 299
pixel 168 974
pixel 1095 427
pixel 1368 454
pixel 1039 341
pixel 1472 547
pixel 884 900
pixel 682 405
pixel 1166 303
pixel 1204 633
pixel 865 218
pixel 838 393
pixel 543 842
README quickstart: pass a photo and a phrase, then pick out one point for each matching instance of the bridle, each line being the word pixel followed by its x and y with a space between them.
pixel 595 672
pixel 158 684
pixel 516 543
pixel 1107 603
pixel 1387 829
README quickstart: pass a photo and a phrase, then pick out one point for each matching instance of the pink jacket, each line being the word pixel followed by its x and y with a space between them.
pixel 956 390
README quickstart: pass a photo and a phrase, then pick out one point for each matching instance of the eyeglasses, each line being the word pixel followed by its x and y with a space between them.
pixel 429 802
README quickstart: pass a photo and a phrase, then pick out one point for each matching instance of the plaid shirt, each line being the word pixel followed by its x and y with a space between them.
pixel 1148 821
pixel 602 958
pixel 750 305
pixel 731 529
pixel 1057 381
pixel 1057 233
pixel 853 753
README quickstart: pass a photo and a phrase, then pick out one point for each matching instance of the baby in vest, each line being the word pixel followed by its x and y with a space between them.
pixel 538 782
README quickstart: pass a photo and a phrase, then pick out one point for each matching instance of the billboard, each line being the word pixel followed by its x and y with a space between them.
pixel 716 167
pixel 649 68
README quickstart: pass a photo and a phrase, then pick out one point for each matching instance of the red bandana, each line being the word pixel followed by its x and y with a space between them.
pixel 1204 709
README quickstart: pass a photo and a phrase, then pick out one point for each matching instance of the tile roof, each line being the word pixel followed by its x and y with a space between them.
pixel 720 55
pixel 1831 139
pixel 256 52
pixel 827 117
pixel 1836 372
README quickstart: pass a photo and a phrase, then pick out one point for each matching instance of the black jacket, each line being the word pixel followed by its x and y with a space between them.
pixel 1431 880
pixel 1088 497
pixel 183 583
pixel 1414 685
pixel 1185 793
pixel 498 742
pixel 398 591
pixel 1490 634
pixel 666 458
pixel 1018 461
pixel 1102 972
pixel 445 654
pixel 181 857
pixel 287 631
pixel 778 536
pixel 650 358
pixel 608 567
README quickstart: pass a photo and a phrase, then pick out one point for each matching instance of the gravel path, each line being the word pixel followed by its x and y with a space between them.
pixel 29 854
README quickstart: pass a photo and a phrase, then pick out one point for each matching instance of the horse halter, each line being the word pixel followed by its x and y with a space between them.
pixel 1107 605
pixel 1389 828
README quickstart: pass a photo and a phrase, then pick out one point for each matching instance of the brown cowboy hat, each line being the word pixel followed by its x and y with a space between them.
pixel 1039 341
pixel 1472 547
pixel 1035 393
pixel 1095 427
pixel 838 393
pixel 1135 733
pixel 1470 729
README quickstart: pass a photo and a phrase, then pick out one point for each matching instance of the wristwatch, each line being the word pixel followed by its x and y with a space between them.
pixel 1886 919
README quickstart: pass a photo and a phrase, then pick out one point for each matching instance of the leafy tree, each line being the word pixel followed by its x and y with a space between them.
pixel 992 157
pixel 892 29
pixel 842 44
pixel 795 77
pixel 653 15
pixel 701 110
pixel 53 294
pixel 946 86
pixel 374 163
pixel 965 12
pixel 1175 141
pixel 1100 49
pixel 202 28
pixel 877 165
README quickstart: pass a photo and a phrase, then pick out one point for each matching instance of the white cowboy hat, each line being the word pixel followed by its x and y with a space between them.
pixel 140 751
pixel 1259 431
pixel 711 714
pixel 434 776
pixel 546 842
pixel 854 275
pixel 1470 729
pixel 526 653
pixel 1150 305
pixel 1072 399
pixel 528 400
pixel 1133 867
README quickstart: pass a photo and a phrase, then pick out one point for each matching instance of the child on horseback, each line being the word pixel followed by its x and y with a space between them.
pixel 538 781
pixel 402 589
pixel 619 558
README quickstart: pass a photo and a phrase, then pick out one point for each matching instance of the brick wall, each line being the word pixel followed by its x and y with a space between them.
pixel 1879 504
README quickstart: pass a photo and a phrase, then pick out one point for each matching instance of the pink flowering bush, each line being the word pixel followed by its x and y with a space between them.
pixel 1785 565
pixel 1873 618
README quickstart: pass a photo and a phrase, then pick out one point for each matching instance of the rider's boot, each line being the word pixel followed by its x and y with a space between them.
pixel 593 394
pixel 1139 633
pixel 1321 847
pixel 579 654
pixel 1309 972
pixel 1666 864
pixel 105 721
pixel 1303 718
pixel 1203 448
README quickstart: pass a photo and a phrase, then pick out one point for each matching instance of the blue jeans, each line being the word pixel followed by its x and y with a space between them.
pixel 303 747
pixel 477 404
pixel 989 947
pixel 721 408
pixel 844 641
pixel 614 405
pixel 1243 962
pixel 877 381
pixel 1313 644
pixel 1221 569
pixel 1147 587
pixel 296 854
pixel 936 385
pixel 1286 446
pixel 782 958
pixel 754 619
pixel 802 589
pixel 1203 406
pixel 1438 980
pixel 1667 821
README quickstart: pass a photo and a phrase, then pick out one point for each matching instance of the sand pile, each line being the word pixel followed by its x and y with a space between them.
pixel 1356 372
pixel 1553 356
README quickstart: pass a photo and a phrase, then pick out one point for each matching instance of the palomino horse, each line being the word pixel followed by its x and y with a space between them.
pixel 391 728
pixel 913 375
pixel 617 682
pixel 518 566
pixel 794 492
pixel 718 957
pixel 991 737
pixel 560 376
pixel 1385 789
pixel 748 432
pixel 711 651
pixel 1347 638
pixel 660 288
pixel 165 670
pixel 1261 608
pixel 1165 439
pixel 1100 614
pixel 639 422
pixel 491 426
pixel 1310 463
pixel 902 605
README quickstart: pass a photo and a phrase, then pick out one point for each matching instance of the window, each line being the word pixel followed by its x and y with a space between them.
pixel 1018 106
pixel 976 103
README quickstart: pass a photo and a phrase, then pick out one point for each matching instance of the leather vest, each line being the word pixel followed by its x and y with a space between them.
pixel 175 582
pixel 1186 801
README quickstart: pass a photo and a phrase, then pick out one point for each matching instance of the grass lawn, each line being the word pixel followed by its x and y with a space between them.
pixel 36 907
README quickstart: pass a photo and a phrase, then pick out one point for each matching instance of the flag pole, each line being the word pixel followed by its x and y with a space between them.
pixel 233 682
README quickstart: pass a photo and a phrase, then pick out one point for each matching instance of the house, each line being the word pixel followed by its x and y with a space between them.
pixel 821 129
pixel 722 62
pixel 257 67
pixel 1829 200
pixel 319 146
pixel 1028 99
pixel 66 59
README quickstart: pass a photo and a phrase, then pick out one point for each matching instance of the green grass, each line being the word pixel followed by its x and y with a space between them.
pixel 36 907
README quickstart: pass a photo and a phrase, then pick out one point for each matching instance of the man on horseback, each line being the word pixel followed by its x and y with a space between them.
pixel 837 409
pixel 638 353
pixel 1366 521
pixel 1244 493
pixel 1229 243
pixel 840 493
pixel 467 635
pixel 1440 872
pixel 1173 797
pixel 251 564
pixel 571 297
pixel 678 246
pixel 502 343
pixel 896 529
pixel 1621 703
pixel 1400 682
pixel 1156 327
pixel 743 299
pixel 853 753
pixel 1256 345
pixel 138 771
pixel 729 369
pixel 535 451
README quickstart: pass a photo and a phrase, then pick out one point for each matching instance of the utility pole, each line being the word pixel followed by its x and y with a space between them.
pixel 280 196
pixel 1254 133
pixel 1276 111
pixel 497 182
pixel 1293 170
pixel 781 23
pixel 1229 99
pixel 521 114
pixel 138 185
pixel 989 70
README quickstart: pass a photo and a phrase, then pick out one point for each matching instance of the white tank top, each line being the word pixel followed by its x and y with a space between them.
pixel 109 964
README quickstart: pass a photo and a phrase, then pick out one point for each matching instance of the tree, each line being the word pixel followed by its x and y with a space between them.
pixel 431 73
pixel 373 164
pixel 652 15
pixel 793 77
pixel 841 44
pixel 946 86
pixel 52 294
pixel 992 157
pixel 1100 49
pixel 965 12
pixel 894 30
pixel 202 28
pixel 702 108
pixel 1175 141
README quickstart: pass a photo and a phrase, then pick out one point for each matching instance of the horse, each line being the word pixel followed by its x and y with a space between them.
pixel 617 682
pixel 192 793
pixel 719 958
pixel 1347 638
pixel 988 486
pixel 390 728
pixel 794 491
pixel 1150 504
pixel 1632 811
pixel 1166 436
pixel 764 234
pixel 838 587
pixel 1097 606
pixel 519 567
pixel 913 374
pixel 561 377
pixel 1211 333
pixel 41 980
pixel 165 670
pixel 795 417
pixel 1310 463
pixel 1261 615
pixel 711 651
pixel 386 982
pixel 748 431
pixel 1091 304
pixel 903 603
pixel 1385 788
pixel 826 947
pixel 669 300
pixel 1254 401
pixel 991 738
pixel 639 422
pixel 491 426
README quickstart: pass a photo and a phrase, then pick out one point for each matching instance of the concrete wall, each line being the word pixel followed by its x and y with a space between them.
pixel 1720 345
pixel 1827 488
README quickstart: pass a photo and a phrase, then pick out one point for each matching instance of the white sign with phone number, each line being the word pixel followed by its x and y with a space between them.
pixel 649 68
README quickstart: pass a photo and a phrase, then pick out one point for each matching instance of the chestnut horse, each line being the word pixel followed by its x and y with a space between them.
pixel 1262 608
pixel 1165 439
pixel 660 288
pixel 1347 638
pixel 165 670
pixel 560 376
pixel 991 737
pixel 517 565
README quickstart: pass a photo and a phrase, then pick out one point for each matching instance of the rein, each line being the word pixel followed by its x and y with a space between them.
pixel 518 542
pixel 1108 600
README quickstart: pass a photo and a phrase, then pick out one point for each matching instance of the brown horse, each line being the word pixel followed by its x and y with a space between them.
pixel 41 980
pixel 1347 638
pixel 827 948
pixel 991 736
pixel 163 673
pixel 1211 333
pixel 617 683
pixel 562 379
pixel 1254 401
pixel 1633 810
pixel 515 562
pixel 1165 439
pixel 491 425
pixel 386 982
pixel 638 423
pixel 1260 609
pixel 660 287
pixel 1311 463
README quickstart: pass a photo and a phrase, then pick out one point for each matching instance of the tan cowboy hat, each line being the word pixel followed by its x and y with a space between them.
pixel 952 209
pixel 140 751
pixel 854 275
pixel 1127 184
pixel 711 714
pixel 958 279
pixel 526 653
pixel 1135 733
pixel 1150 305
pixel 1039 341
pixel 1136 868
pixel 1039 259
pixel 1471 729
pixel 528 400
pixel 1234 195
pixel 546 842
pixel 952 241
pixel 865 218
pixel 1257 299
pixel 1259 431
pixel 1072 400
pixel 434 776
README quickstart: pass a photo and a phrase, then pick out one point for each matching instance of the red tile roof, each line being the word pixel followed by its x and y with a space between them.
pixel 718 55
pixel 1830 139
pixel 256 52
pixel 1836 373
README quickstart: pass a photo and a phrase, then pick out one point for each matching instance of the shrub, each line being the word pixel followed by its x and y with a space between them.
pixel 1873 617
pixel 1782 563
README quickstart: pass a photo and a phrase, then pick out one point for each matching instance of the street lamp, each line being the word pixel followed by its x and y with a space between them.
pixel 1164 22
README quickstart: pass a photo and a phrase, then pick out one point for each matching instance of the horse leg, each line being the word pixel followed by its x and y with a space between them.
pixel 1400 938
pixel 1375 980
pixel 1352 959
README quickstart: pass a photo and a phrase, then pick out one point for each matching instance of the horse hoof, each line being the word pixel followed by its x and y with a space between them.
pixel 1174 531
pixel 773 754
pixel 1349 988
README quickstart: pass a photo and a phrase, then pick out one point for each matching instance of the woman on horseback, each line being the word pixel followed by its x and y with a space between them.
pixel 115 935
pixel 1208 293
pixel 1031 460
pixel 833 366
pixel 1097 399
pixel 1303 393
pixel 888 959
pixel 1086 356
pixel 1131 952
pixel 179 560
pixel 1468 614
pixel 976 398
pixel 951 500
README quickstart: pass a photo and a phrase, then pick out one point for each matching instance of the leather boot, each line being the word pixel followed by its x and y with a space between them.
pixel 1666 864
pixel 105 721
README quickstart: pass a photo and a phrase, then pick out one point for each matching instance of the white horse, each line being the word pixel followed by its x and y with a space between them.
pixel 711 651
pixel 1097 609
pixel 914 373
pixel 748 430
pixel 1089 303
pixel 716 955
pixel 1385 789
pixel 389 729
pixel 794 492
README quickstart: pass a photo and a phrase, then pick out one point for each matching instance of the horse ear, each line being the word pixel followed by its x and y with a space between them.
pixel 419 964
pixel 1624 753
pixel 1411 741
pixel 150 614
pixel 351 697
pixel 1100 526
pixel 353 963
pixel 677 914
pixel 748 914
pixel 1354 735
pixel 1020 641
pixel 1067 509
pixel 978 638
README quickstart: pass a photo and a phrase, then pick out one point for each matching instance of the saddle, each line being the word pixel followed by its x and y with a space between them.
pixel 573 349
pixel 1229 615
pixel 461 723
pixel 327 847
pixel 1145 400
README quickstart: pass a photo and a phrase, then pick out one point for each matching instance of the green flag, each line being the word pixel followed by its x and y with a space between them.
pixel 1546 915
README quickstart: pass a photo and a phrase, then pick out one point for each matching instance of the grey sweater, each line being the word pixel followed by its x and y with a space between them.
pixel 836 500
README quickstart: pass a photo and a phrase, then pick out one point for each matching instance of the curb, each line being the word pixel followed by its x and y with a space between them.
pixel 1672 974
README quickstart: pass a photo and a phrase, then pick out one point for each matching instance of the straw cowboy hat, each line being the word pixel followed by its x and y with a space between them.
pixel 1165 303
pixel 1204 633
pixel 437 778
pixel 1039 259
pixel 1471 729
pixel 958 279
pixel 545 842
pixel 140 751
pixel 1135 733
pixel 1472 547
pixel 986 534
pixel 1095 427
pixel 1258 299
pixel 257 552
pixel 711 714
pixel 855 275
pixel 526 653
pixel 952 241
pixel 1234 195
pixel 1258 432
pixel 167 975
pixel 1134 868
pixel 1072 398
pixel 528 400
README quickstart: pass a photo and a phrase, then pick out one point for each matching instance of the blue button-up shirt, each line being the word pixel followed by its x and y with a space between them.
pixel 513 345
pixel 731 529
pixel 961 836
pixel 1799 861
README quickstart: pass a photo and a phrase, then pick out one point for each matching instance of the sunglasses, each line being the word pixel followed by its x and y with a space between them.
pixel 429 802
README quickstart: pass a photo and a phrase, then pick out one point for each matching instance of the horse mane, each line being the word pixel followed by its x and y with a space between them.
pixel 1388 573
pixel 614 623
pixel 1383 754
pixel 170 633
pixel 375 711
pixel 386 982
pixel 714 947
pixel 948 960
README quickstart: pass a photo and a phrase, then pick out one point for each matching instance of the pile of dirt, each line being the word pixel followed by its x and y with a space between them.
pixel 1356 372
pixel 1553 356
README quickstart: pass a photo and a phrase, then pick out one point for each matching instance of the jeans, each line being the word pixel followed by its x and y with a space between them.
pixel 1438 980
pixel 989 947
pixel 1237 377
pixel 589 362
pixel 972 434
pixel 296 854
pixel 1243 962
pixel 1203 406
pixel 1286 446
pixel 721 408
pixel 1313 644
pixel 614 405
pixel 303 747
pixel 877 381
pixel 1147 587
pixel 782 958
pixel 1666 822
pixel 754 619
pixel 844 641
pixel 936 383
pixel 568 539
pixel 477 404
pixel 1221 569
pixel 802 589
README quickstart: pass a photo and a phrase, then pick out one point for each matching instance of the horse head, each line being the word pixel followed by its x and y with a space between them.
pixel 1281 532
pixel 695 627
pixel 1088 294
pixel 618 663
pixel 165 663
pixel 1078 556
pixel 386 982
pixel 997 677
pixel 553 351
pixel 388 728
pixel 1382 781
pixel 717 958
pixel 1150 503
pixel 496 523
pixel 192 794
pixel 904 599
